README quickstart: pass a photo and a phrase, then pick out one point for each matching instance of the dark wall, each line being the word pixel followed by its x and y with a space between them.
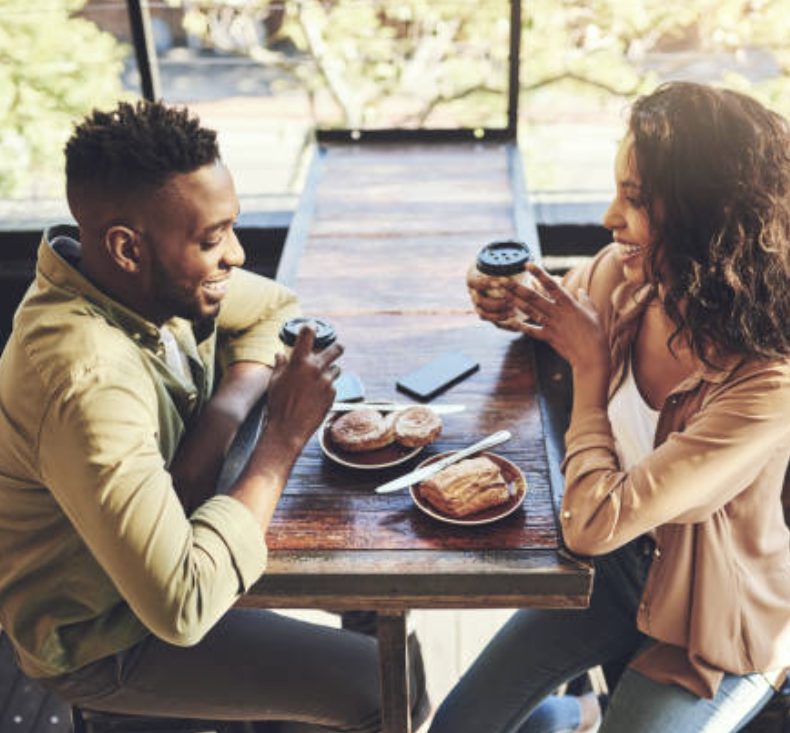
pixel 570 240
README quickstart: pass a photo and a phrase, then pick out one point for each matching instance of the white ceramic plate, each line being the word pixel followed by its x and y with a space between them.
pixel 372 460
pixel 516 482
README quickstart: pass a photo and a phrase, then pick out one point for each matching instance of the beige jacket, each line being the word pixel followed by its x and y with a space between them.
pixel 717 597
pixel 95 548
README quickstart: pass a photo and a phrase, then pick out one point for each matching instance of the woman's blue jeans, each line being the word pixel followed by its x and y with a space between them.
pixel 538 650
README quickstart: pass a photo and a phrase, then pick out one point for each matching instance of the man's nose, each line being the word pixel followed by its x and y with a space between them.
pixel 234 255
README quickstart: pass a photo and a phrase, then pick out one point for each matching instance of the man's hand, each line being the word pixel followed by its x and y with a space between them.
pixel 300 394
pixel 301 389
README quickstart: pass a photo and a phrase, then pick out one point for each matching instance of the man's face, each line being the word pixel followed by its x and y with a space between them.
pixel 189 244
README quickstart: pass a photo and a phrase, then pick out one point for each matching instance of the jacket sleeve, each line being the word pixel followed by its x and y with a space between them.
pixel 99 456
pixel 251 316
pixel 692 474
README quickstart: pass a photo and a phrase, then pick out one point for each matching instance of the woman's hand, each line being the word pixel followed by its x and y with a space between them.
pixel 498 309
pixel 570 325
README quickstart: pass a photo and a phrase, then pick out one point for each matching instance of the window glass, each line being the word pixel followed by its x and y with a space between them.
pixel 584 62
pixel 57 64
pixel 266 73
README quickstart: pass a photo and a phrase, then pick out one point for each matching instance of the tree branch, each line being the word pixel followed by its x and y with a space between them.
pixel 444 99
pixel 571 76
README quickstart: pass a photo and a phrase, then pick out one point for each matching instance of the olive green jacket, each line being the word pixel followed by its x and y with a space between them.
pixel 95 548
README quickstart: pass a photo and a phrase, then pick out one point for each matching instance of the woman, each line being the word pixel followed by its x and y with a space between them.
pixel 678 338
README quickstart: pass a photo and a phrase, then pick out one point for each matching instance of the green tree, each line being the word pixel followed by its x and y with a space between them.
pixel 609 47
pixel 435 56
pixel 365 63
pixel 54 68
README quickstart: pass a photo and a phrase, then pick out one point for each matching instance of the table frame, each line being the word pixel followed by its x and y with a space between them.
pixel 391 582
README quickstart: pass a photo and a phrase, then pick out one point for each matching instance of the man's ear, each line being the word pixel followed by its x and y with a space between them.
pixel 124 247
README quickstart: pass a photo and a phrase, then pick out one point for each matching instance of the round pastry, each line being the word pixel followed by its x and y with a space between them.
pixel 362 430
pixel 417 426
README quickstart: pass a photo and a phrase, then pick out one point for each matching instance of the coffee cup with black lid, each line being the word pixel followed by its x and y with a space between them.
pixel 506 259
pixel 324 332
pixel 499 262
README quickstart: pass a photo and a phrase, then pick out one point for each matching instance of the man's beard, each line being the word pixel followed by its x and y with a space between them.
pixel 171 300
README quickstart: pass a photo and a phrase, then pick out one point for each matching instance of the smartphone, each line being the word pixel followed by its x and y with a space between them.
pixel 437 375
pixel 349 388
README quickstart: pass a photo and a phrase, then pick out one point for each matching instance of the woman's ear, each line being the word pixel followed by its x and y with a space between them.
pixel 123 246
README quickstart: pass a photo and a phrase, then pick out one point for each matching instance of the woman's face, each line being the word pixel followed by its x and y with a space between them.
pixel 627 216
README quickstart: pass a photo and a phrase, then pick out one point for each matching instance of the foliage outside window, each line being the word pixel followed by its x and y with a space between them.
pixel 408 63
pixel 54 67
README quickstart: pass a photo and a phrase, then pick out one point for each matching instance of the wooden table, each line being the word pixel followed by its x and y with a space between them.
pixel 379 246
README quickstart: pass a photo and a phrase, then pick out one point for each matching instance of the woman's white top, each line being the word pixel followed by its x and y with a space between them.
pixel 633 422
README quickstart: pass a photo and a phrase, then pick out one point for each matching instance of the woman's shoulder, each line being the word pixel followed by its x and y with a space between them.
pixel 775 370
pixel 761 384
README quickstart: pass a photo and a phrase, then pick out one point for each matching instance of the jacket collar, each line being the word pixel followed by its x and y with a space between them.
pixel 58 261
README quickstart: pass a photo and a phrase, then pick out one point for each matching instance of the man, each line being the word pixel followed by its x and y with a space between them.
pixel 119 565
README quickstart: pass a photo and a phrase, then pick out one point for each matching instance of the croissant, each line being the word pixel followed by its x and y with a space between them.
pixel 466 487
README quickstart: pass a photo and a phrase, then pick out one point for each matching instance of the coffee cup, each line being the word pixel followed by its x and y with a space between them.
pixel 506 259
pixel 499 262
pixel 324 332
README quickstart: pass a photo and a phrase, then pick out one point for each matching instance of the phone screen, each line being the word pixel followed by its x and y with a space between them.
pixel 437 375
pixel 349 388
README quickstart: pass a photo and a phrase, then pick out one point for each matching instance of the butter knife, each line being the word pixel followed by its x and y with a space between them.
pixel 446 409
pixel 420 474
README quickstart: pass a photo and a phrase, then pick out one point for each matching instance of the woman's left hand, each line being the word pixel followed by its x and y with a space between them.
pixel 570 325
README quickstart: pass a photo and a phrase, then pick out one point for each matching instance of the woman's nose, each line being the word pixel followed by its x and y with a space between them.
pixel 612 219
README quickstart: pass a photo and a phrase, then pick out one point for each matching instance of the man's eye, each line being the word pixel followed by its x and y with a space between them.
pixel 209 243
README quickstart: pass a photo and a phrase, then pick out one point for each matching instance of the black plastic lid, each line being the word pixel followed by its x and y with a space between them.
pixel 324 332
pixel 503 258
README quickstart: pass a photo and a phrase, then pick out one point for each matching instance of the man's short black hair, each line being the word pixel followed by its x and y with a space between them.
pixel 137 146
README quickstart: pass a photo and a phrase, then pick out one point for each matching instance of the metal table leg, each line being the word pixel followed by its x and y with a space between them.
pixel 394 666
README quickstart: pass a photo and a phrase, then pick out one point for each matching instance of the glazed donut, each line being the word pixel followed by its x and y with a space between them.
pixel 362 430
pixel 417 426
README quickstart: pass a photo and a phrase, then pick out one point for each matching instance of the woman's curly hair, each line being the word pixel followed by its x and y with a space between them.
pixel 715 173
pixel 136 147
